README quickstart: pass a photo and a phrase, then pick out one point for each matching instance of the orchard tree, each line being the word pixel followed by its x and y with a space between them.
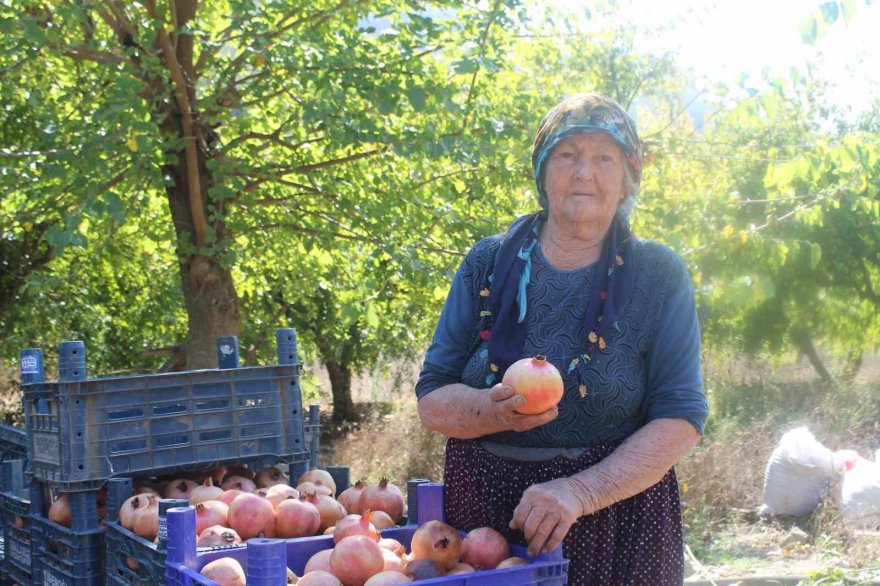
pixel 288 125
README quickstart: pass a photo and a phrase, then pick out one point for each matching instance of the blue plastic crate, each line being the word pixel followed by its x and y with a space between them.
pixel 13 443
pixel 66 557
pixel 266 560
pixel 85 431
pixel 312 434
pixel 15 517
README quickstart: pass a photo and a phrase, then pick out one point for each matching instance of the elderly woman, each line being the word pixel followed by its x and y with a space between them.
pixel 616 316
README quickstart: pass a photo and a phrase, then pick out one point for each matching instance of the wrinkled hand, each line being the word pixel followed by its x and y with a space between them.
pixel 506 402
pixel 545 513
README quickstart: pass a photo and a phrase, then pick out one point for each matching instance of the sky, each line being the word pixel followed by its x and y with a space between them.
pixel 721 39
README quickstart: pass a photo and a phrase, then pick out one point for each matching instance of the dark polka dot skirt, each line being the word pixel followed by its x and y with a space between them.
pixel 635 542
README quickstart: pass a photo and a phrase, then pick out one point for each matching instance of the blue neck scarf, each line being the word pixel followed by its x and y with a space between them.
pixel 508 303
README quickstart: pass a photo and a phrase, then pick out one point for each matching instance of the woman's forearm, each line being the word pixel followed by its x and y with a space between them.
pixel 463 412
pixel 459 411
pixel 638 463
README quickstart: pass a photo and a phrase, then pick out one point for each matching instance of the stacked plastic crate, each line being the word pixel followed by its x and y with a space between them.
pixel 15 516
pixel 82 432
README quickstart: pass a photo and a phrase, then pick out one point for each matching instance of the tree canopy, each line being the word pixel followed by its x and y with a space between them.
pixel 175 171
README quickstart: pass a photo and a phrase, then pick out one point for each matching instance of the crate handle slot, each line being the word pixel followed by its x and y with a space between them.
pixel 131 413
pixel 212 436
pixel 171 409
pixel 254 401
pixel 130 445
pixel 172 440
pixel 256 431
pixel 212 405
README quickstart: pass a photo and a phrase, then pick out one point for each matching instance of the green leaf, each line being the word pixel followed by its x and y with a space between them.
pixel 372 316
pixel 115 207
pixel 465 66
pixel 815 255
pixel 416 96
pixel 349 313
pixel 58 238
pixel 849 8
pixel 809 31
pixel 830 11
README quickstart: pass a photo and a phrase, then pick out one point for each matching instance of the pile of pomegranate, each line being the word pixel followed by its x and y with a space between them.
pixel 237 504
pixel 362 557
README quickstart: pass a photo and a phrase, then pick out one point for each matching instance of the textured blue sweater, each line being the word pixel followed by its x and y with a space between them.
pixel 650 369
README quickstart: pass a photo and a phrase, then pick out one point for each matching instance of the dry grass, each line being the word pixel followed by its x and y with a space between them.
pixel 395 445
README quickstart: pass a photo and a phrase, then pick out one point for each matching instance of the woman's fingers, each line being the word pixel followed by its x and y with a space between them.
pixel 501 392
pixel 525 422
pixel 539 527
pixel 555 539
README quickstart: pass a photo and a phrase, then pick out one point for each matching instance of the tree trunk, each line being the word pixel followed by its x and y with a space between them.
pixel 340 381
pixel 804 343
pixel 212 304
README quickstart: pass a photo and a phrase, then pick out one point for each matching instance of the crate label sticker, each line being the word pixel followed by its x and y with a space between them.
pixel 47 448
pixel 20 553
pixel 226 349
pixel 29 365
pixel 163 529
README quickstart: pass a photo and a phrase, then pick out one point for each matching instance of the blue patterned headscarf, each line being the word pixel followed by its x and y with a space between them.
pixel 503 323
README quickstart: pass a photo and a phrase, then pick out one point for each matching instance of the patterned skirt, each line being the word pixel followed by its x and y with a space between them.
pixel 635 542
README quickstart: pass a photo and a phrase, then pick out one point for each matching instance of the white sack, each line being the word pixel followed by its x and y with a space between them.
pixel 797 474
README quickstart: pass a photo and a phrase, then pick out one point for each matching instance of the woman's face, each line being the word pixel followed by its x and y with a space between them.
pixel 583 179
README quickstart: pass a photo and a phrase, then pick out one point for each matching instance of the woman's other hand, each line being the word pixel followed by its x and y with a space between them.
pixel 506 402
pixel 545 513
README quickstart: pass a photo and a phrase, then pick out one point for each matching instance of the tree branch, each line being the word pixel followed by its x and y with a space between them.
pixel 271 137
pixel 197 207
pixel 86 53
pixel 483 39
pixel 642 80
pixel 676 117
pixel 328 233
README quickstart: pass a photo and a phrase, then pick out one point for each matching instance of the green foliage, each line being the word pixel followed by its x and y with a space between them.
pixel 351 152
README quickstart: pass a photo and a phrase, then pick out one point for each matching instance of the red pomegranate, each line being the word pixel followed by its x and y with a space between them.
pixel 296 518
pixel 217 535
pixel 270 477
pixel 225 571
pixel 320 478
pixel 351 496
pixel 383 497
pixel 280 492
pixel 538 381
pixel 355 560
pixel 206 491
pixel 319 561
pixel 319 578
pixel 355 525
pixel 252 516
pixel 388 578
pixel 512 563
pixel 438 542
pixel 210 513
pixel 484 548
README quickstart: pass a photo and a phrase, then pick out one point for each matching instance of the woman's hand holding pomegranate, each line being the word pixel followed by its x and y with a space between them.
pixel 465 412
pixel 546 512
pixel 506 403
